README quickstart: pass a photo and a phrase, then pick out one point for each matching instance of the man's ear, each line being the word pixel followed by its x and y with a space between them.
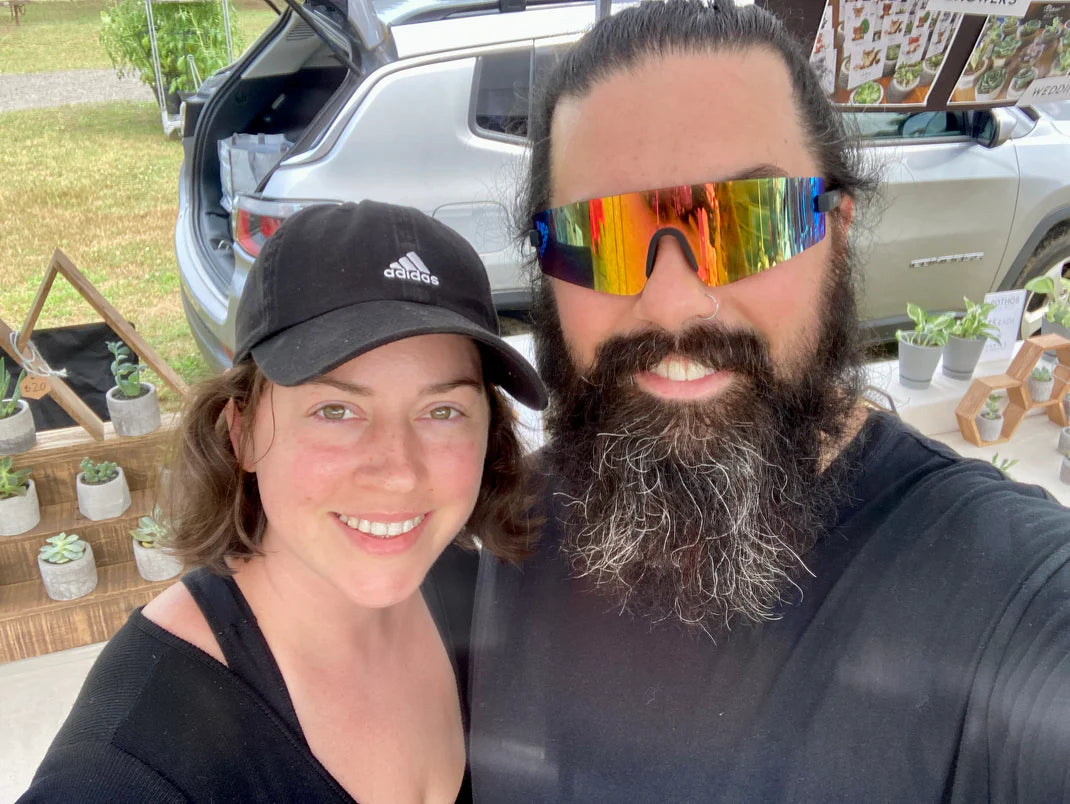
pixel 238 436
pixel 845 212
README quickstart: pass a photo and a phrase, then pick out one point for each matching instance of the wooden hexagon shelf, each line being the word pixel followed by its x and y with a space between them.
pixel 1014 381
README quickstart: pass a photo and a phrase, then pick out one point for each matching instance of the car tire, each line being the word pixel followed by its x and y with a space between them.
pixel 1051 258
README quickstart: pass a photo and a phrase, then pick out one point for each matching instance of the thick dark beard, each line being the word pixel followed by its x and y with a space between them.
pixel 701 513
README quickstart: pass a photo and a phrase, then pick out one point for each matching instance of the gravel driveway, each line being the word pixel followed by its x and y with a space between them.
pixel 38 90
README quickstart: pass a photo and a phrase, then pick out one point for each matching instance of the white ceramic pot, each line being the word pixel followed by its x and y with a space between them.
pixel 1064 441
pixel 1040 391
pixel 990 429
pixel 134 417
pixel 20 513
pixel 71 580
pixel 898 92
pixel 103 501
pixel 155 563
pixel 17 431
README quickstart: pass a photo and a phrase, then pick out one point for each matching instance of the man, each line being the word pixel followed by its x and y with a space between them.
pixel 746 588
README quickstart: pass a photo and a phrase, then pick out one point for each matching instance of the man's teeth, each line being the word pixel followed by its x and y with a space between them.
pixel 383 530
pixel 680 370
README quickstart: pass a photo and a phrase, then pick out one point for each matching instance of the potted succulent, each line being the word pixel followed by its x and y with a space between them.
pixel 990 85
pixel 930 68
pixel 867 94
pixel 920 348
pixel 891 56
pixel 1021 81
pixel 1064 441
pixel 19 508
pixel 975 66
pixel 1010 28
pixel 150 542
pixel 1060 63
pixel 966 340
pixel 1029 30
pixel 990 419
pixel 1039 383
pixel 1052 30
pixel 1004 51
pixel 904 81
pixel 133 405
pixel 17 431
pixel 102 490
pixel 67 567
pixel 1056 319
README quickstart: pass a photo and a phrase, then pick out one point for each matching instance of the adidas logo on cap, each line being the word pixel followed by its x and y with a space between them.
pixel 411 267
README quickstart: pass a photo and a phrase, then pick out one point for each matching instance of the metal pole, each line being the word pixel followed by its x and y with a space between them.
pixel 155 57
pixel 603 9
pixel 226 27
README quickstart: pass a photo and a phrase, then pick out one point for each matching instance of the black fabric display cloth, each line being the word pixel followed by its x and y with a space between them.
pixel 158 720
pixel 81 350
pixel 928 660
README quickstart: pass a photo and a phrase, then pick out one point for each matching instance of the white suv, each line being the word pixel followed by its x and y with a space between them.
pixel 429 108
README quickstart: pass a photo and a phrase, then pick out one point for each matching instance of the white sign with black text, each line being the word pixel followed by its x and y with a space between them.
pixel 1010 304
pixel 1004 8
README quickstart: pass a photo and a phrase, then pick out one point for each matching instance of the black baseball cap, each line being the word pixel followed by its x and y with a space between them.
pixel 336 281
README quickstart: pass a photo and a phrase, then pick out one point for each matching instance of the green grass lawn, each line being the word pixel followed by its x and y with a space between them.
pixel 99 182
pixel 62 35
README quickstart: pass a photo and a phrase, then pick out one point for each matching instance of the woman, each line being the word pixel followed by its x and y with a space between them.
pixel 323 485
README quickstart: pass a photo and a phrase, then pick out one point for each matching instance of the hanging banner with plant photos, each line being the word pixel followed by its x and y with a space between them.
pixel 1019 59
pixel 882 52
pixel 912 54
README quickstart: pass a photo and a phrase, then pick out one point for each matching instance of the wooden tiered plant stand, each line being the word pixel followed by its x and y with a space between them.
pixel 31 623
pixel 1014 381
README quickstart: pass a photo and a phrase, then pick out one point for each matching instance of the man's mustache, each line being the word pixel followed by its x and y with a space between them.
pixel 715 346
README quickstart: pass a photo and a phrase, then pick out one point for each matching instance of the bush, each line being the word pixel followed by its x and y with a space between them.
pixel 190 40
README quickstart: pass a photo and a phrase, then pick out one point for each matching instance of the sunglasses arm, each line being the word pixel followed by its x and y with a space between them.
pixel 827 201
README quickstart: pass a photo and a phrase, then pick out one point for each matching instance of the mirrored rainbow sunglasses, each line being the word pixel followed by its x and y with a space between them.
pixel 728 230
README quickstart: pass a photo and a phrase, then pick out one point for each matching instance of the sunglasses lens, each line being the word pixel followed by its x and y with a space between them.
pixel 732 229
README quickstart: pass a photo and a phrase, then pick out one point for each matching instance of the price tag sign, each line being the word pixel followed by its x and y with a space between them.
pixel 34 387
pixel 1010 304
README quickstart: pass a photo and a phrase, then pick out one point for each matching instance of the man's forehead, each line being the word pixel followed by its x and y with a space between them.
pixel 679 119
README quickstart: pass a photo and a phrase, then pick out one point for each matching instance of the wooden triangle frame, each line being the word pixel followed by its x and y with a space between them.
pixel 58 389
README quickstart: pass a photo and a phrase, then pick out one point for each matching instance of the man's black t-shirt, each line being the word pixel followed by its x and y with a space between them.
pixel 927 660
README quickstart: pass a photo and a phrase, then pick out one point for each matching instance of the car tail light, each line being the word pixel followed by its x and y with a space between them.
pixel 254 220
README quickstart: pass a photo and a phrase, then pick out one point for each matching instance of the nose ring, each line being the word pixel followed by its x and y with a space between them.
pixel 716 308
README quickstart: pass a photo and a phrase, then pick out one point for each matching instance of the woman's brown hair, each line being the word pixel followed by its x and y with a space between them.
pixel 214 503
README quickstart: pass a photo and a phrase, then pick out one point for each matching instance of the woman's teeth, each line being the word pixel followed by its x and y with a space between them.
pixel 383 530
pixel 680 369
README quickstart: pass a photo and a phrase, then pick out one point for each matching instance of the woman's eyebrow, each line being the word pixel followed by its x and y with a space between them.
pixel 435 388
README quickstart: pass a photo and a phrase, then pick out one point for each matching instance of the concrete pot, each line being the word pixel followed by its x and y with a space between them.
pixel 20 513
pixel 105 501
pixel 1064 442
pixel 155 563
pixel 961 356
pixel 1040 391
pixel 71 580
pixel 989 429
pixel 17 431
pixel 134 417
pixel 917 364
pixel 1053 328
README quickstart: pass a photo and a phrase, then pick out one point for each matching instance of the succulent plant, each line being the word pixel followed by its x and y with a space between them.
pixel 13 482
pixel 9 405
pixel 1040 374
pixel 1004 464
pixel 152 530
pixel 96 474
pixel 991 409
pixel 127 375
pixel 62 549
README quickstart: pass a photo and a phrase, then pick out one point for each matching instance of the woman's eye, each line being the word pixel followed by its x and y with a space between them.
pixel 335 412
pixel 443 413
